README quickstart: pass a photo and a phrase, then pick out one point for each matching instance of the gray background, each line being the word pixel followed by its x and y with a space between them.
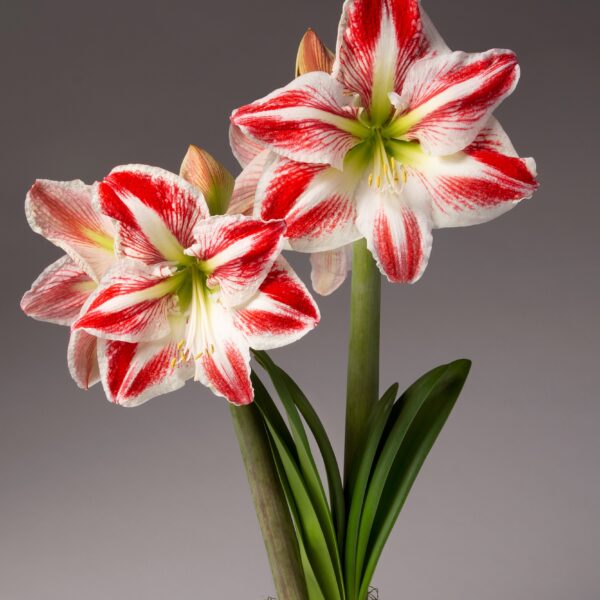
pixel 101 502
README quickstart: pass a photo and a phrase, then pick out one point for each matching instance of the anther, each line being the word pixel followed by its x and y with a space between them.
pixel 370 179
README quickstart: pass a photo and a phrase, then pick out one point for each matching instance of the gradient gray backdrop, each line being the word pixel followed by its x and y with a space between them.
pixel 101 502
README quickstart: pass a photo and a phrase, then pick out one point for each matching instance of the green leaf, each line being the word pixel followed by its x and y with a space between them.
pixel 423 410
pixel 359 477
pixel 290 395
pixel 311 534
pixel 334 479
pixel 312 585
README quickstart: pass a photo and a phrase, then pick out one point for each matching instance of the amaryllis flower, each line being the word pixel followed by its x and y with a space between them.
pixel 63 212
pixel 191 292
pixel 398 140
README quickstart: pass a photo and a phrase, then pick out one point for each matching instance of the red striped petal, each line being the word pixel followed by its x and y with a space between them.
pixel 398 235
pixel 378 40
pixel 131 304
pixel 238 252
pixel 135 373
pixel 447 99
pixel 479 184
pixel 58 294
pixel 82 357
pixel 282 312
pixel 308 120
pixel 63 212
pixel 157 211
pixel 316 201
pixel 225 368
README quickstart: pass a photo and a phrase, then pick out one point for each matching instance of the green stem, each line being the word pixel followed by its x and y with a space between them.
pixel 363 350
pixel 269 501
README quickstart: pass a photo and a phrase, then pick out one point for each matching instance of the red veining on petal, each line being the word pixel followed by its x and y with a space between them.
pixel 59 293
pixel 119 356
pixel 174 202
pixel 288 183
pixel 400 258
pixel 282 288
pixel 321 219
pixel 497 74
pixel 361 31
pixel 230 378
pixel 152 373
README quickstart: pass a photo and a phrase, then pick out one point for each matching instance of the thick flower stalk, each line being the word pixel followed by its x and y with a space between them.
pixel 398 140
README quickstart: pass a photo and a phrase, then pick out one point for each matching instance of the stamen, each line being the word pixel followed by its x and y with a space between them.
pixel 198 356
pixel 370 179
pixel 173 363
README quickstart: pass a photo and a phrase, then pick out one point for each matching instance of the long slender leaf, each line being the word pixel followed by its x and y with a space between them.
pixel 290 395
pixel 317 547
pixel 359 478
pixel 334 479
pixel 424 408
pixel 312 585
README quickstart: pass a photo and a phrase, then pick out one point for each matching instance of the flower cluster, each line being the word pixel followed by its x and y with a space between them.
pixel 158 289
pixel 167 277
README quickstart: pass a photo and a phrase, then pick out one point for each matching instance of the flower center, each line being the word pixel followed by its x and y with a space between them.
pixel 384 155
pixel 197 304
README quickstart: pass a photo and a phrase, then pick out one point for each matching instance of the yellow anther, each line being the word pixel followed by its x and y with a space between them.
pixel 404 175
pixel 370 179
pixel 385 169
pixel 198 356
pixel 180 345
pixel 212 348
pixel 378 180
pixel 173 363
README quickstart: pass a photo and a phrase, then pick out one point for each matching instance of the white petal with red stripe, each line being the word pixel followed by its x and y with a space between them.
pixel 244 192
pixel 219 350
pixel 309 120
pixel 479 184
pixel 157 211
pixel 134 373
pixel 330 269
pixel 132 303
pixel 63 212
pixel 378 40
pixel 244 148
pixel 58 294
pixel 397 227
pixel 448 98
pixel 82 358
pixel 237 252
pixel 280 313
pixel 316 201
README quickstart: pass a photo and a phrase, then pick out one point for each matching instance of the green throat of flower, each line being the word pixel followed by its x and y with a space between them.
pixel 384 155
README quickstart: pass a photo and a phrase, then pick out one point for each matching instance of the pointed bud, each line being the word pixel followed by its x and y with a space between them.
pixel 214 181
pixel 313 55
